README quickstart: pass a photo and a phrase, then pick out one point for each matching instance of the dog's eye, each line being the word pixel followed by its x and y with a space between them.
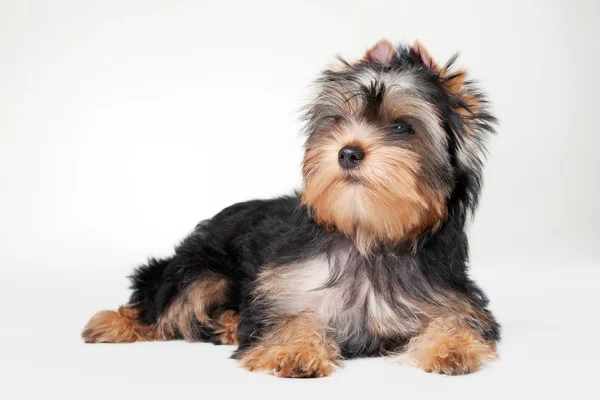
pixel 402 128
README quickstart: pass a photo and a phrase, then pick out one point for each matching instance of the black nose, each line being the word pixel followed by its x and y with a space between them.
pixel 350 156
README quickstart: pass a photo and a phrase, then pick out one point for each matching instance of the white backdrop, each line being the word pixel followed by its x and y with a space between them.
pixel 123 123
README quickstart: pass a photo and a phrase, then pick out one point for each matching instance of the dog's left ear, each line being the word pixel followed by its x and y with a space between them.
pixel 452 81
pixel 474 126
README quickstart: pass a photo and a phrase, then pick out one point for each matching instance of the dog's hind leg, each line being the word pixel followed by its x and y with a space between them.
pixel 169 302
pixel 121 326
pixel 199 313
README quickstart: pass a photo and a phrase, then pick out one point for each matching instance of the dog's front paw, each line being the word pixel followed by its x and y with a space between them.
pixel 457 358
pixel 289 361
pixel 449 350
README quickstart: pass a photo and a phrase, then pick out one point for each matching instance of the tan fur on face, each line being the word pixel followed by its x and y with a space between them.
pixel 386 201
pixel 121 326
pixel 191 308
pixel 294 347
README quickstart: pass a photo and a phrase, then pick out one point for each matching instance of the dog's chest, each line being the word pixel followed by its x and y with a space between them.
pixel 343 297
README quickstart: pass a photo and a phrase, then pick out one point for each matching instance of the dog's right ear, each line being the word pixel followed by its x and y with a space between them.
pixel 382 53
pixel 339 65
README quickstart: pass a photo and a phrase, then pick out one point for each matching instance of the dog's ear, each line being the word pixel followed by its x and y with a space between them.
pixel 452 81
pixel 382 53
pixel 339 65
pixel 421 55
pixel 471 129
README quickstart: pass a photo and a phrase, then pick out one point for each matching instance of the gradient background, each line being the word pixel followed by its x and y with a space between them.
pixel 124 123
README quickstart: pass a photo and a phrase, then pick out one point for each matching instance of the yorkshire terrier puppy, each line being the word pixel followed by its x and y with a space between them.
pixel 369 258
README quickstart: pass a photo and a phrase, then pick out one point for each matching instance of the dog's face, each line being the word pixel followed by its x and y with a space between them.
pixel 391 140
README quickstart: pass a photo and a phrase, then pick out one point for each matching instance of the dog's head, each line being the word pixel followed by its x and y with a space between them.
pixel 394 145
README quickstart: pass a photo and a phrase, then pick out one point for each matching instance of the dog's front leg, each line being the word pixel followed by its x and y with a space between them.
pixel 458 339
pixel 293 347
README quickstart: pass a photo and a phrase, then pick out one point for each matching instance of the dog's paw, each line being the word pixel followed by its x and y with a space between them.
pixel 121 326
pixel 289 361
pixel 226 331
pixel 455 356
pixel 457 360
pixel 449 350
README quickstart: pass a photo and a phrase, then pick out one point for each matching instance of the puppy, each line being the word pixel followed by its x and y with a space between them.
pixel 368 258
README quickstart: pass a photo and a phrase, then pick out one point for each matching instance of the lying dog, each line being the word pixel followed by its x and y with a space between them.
pixel 370 257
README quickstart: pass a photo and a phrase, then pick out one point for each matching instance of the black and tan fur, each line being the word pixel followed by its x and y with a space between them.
pixel 364 260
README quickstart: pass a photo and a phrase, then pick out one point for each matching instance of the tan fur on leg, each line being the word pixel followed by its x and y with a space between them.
pixel 295 347
pixel 191 308
pixel 227 327
pixel 179 319
pixel 449 345
pixel 121 326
